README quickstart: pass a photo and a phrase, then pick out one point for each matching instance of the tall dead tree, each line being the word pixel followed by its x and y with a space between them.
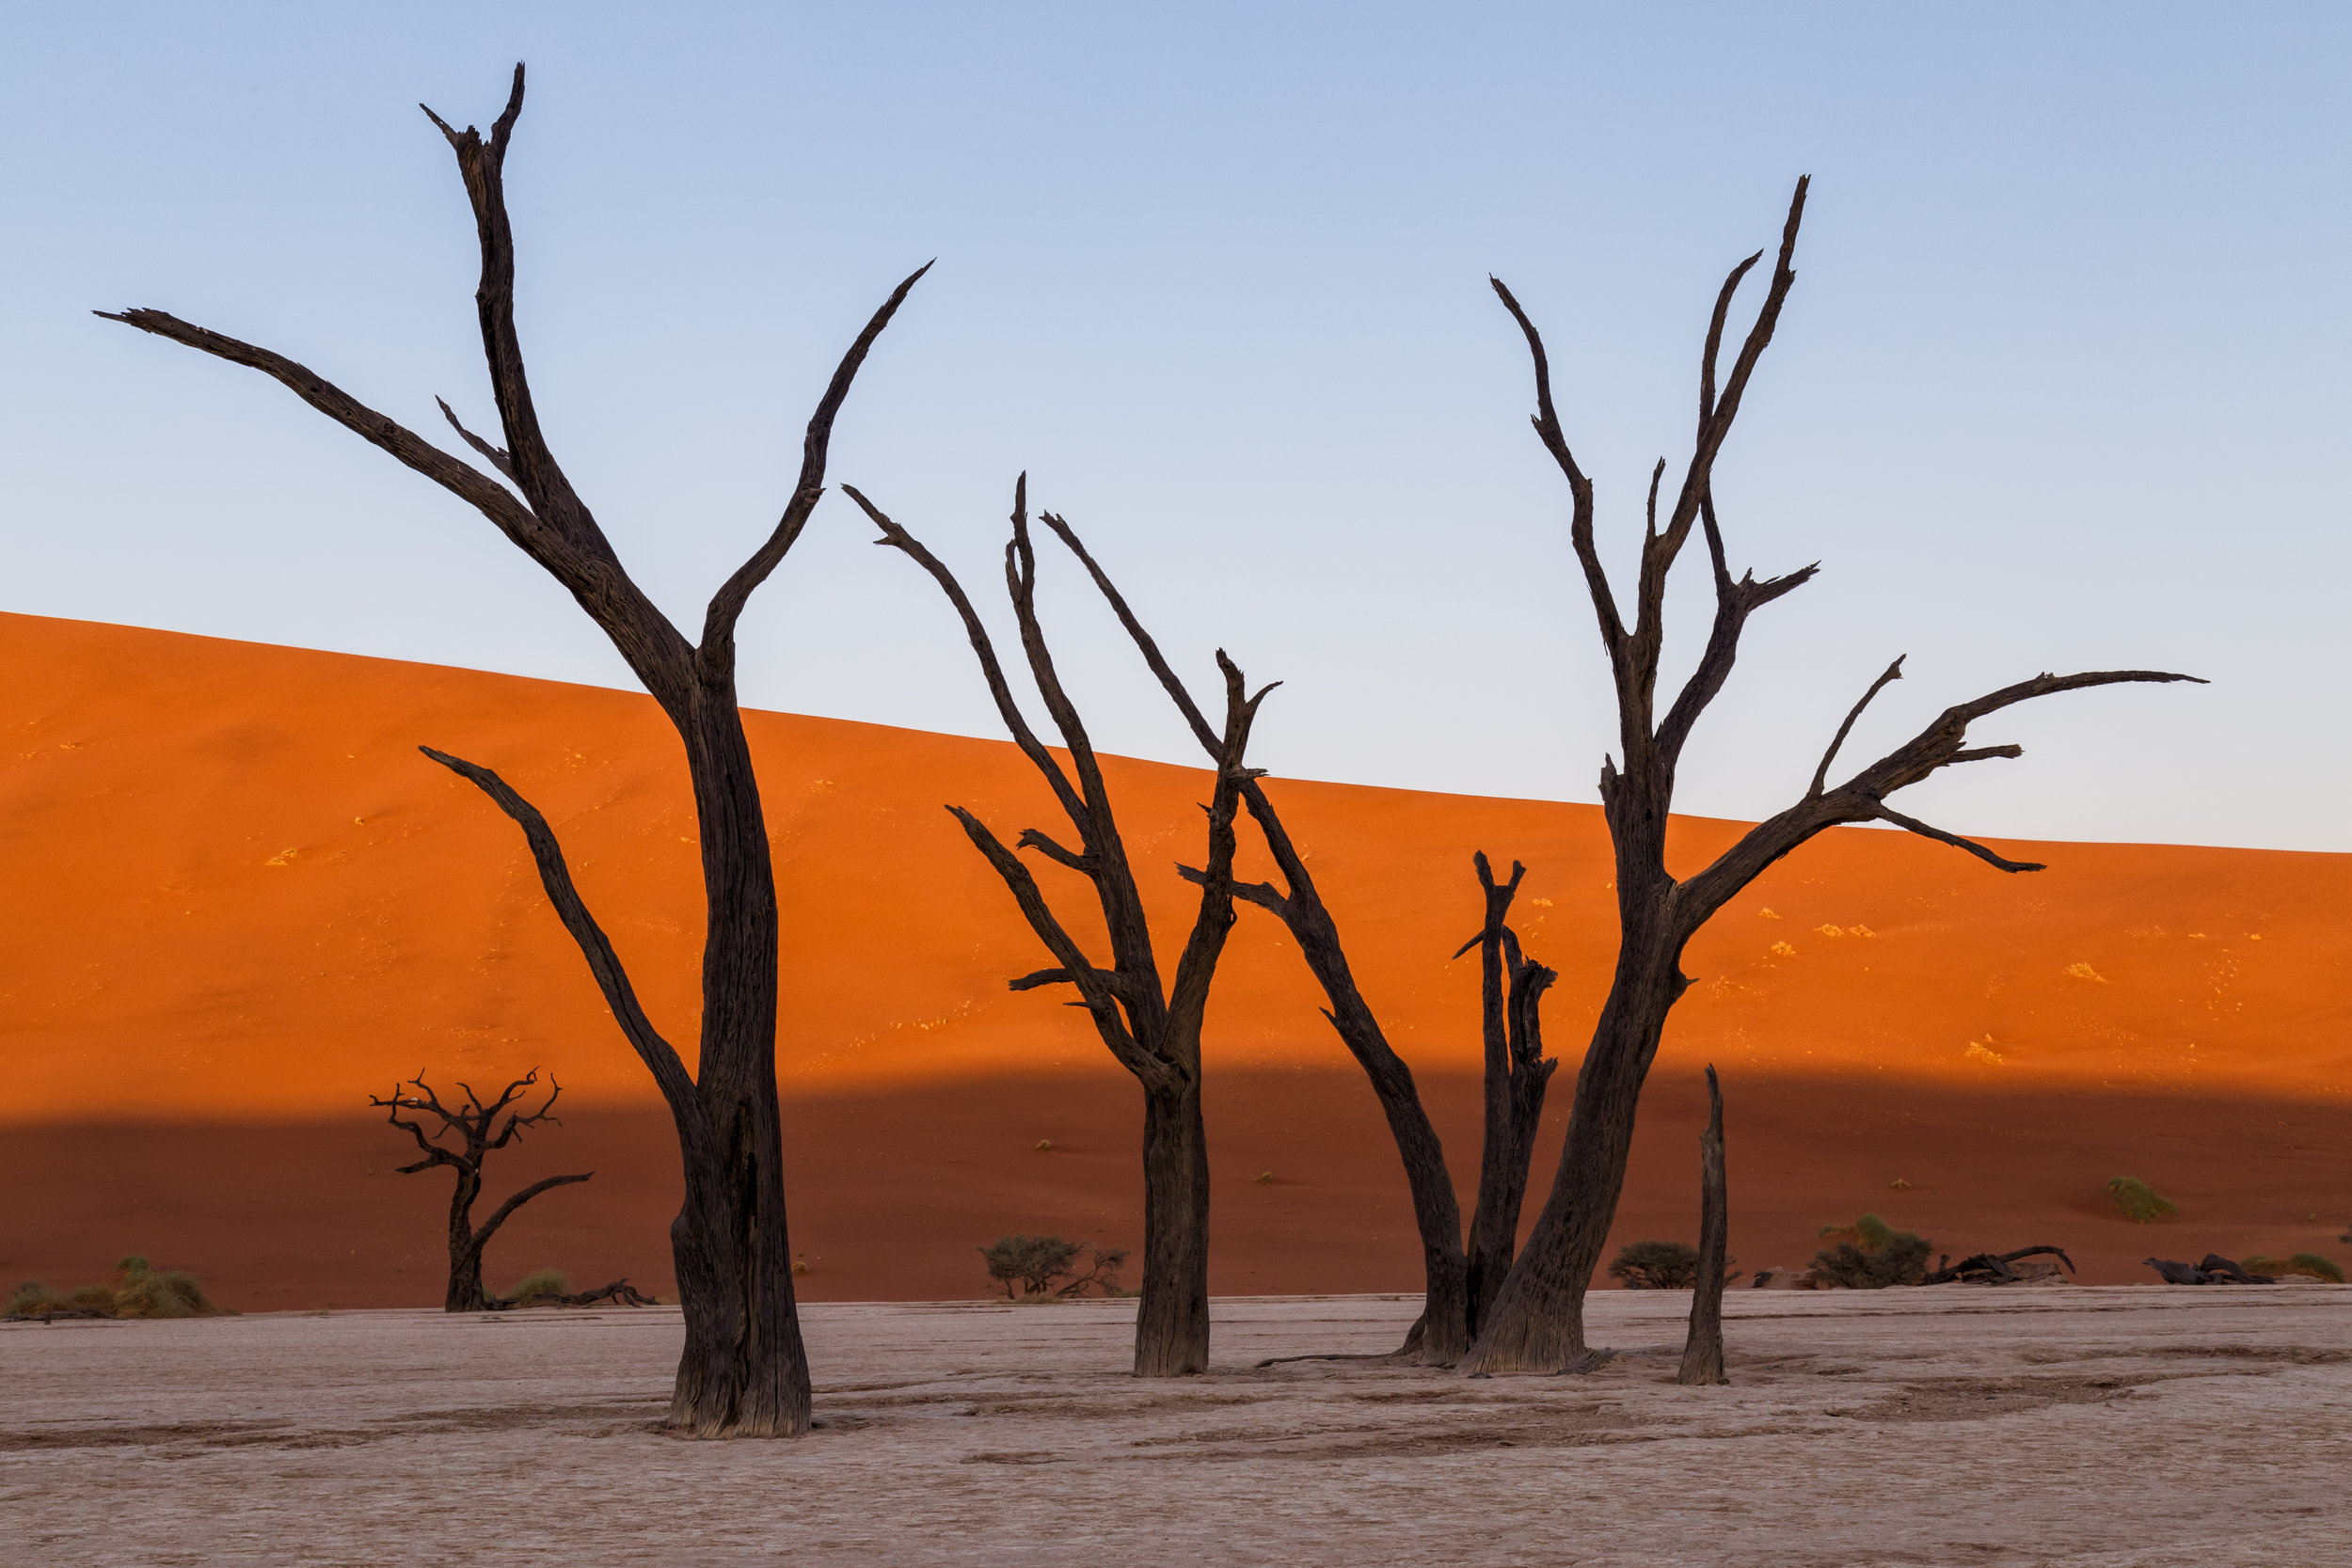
pixel 1459 1279
pixel 471 1124
pixel 1153 1033
pixel 1537 1324
pixel 743 1371
pixel 1702 1347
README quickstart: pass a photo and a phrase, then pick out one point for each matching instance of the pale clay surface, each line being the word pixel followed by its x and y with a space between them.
pixel 2137 1425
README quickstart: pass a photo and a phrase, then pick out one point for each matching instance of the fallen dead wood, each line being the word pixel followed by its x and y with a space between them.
pixel 620 1293
pixel 2212 1269
pixel 1990 1268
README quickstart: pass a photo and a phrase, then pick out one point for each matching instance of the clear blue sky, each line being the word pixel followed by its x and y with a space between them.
pixel 2060 386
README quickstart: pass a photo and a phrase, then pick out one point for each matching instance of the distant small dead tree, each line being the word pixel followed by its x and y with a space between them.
pixel 1537 1322
pixel 743 1371
pixel 1150 1030
pixel 1460 1276
pixel 471 1123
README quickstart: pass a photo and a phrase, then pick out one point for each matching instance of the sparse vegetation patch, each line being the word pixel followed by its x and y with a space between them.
pixel 1878 1256
pixel 1045 1268
pixel 1657 1266
pixel 2141 1204
pixel 140 1290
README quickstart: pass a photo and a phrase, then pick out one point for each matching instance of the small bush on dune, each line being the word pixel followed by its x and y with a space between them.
pixel 539 1285
pixel 1879 1256
pixel 2141 1204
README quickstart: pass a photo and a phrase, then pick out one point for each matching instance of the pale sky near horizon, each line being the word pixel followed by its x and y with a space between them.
pixel 2058 387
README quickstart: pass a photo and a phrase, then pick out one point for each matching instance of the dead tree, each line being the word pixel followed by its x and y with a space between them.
pixel 471 1125
pixel 1516 1074
pixel 743 1371
pixel 1153 1033
pixel 1516 1069
pixel 1702 1350
pixel 1537 1324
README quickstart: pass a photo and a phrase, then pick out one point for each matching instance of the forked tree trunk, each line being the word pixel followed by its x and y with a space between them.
pixel 1511 991
pixel 743 1371
pixel 1537 1324
pixel 1153 1035
pixel 1702 1350
pixel 1516 1069
pixel 1537 1319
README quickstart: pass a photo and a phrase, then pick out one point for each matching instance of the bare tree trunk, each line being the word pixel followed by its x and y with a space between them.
pixel 743 1371
pixel 1173 1318
pixel 1703 1351
pixel 1537 1322
pixel 465 1293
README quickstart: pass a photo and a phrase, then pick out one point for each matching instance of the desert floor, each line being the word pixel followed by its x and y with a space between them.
pixel 2139 1425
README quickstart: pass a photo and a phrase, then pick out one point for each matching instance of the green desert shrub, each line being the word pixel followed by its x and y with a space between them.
pixel 1878 1256
pixel 2141 1204
pixel 1655 1266
pixel 140 1290
pixel 539 1285
pixel 1045 1268
pixel 2310 1264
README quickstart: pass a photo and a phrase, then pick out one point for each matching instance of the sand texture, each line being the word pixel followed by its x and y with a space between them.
pixel 2144 1426
pixel 242 902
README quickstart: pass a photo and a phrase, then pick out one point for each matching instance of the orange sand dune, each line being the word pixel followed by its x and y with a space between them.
pixel 240 901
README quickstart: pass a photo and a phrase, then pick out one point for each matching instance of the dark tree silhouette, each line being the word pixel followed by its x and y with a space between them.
pixel 471 1124
pixel 1703 1348
pixel 1458 1280
pixel 1153 1033
pixel 743 1371
pixel 1537 1324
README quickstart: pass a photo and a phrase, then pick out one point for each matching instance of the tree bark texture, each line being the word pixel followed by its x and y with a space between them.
pixel 1442 1333
pixel 1536 1324
pixel 1155 1033
pixel 1702 1350
pixel 743 1371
